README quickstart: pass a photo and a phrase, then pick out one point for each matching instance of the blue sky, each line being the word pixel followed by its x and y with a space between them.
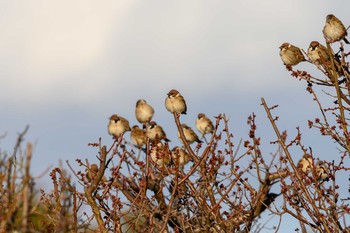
pixel 66 66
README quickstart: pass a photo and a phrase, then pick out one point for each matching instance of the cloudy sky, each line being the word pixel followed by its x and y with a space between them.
pixel 66 66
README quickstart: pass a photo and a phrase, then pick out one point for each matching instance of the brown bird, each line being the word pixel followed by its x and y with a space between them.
pixel 131 220
pixel 322 171
pixel 334 30
pixel 204 124
pixel 189 134
pixel 138 136
pixel 305 164
pixel 160 154
pixel 180 156
pixel 143 112
pixel 175 103
pixel 318 53
pixel 155 131
pixel 291 55
pixel 92 172
pixel 118 125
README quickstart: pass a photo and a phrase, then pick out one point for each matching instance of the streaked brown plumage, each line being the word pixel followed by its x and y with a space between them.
pixel 155 131
pixel 322 171
pixel 92 172
pixel 160 153
pixel 334 30
pixel 305 164
pixel 203 124
pixel 175 103
pixel 318 53
pixel 138 136
pixel 143 111
pixel 180 156
pixel 118 125
pixel 290 54
pixel 189 134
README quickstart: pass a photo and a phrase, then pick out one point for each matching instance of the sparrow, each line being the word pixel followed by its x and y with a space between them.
pixel 175 103
pixel 92 172
pixel 133 220
pixel 322 171
pixel 189 134
pixel 291 55
pixel 305 164
pixel 180 156
pixel 204 124
pixel 155 131
pixel 118 125
pixel 138 136
pixel 334 30
pixel 144 112
pixel 295 199
pixel 318 53
pixel 160 153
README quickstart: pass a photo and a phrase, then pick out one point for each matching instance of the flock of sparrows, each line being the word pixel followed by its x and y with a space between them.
pixel 160 152
pixel 333 31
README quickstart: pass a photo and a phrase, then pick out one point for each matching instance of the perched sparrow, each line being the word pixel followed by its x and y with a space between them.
pixel 92 172
pixel 295 199
pixel 144 112
pixel 322 171
pixel 155 131
pixel 318 54
pixel 189 134
pixel 118 125
pixel 305 164
pixel 180 156
pixel 133 220
pixel 334 30
pixel 291 55
pixel 160 154
pixel 138 136
pixel 204 124
pixel 175 103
